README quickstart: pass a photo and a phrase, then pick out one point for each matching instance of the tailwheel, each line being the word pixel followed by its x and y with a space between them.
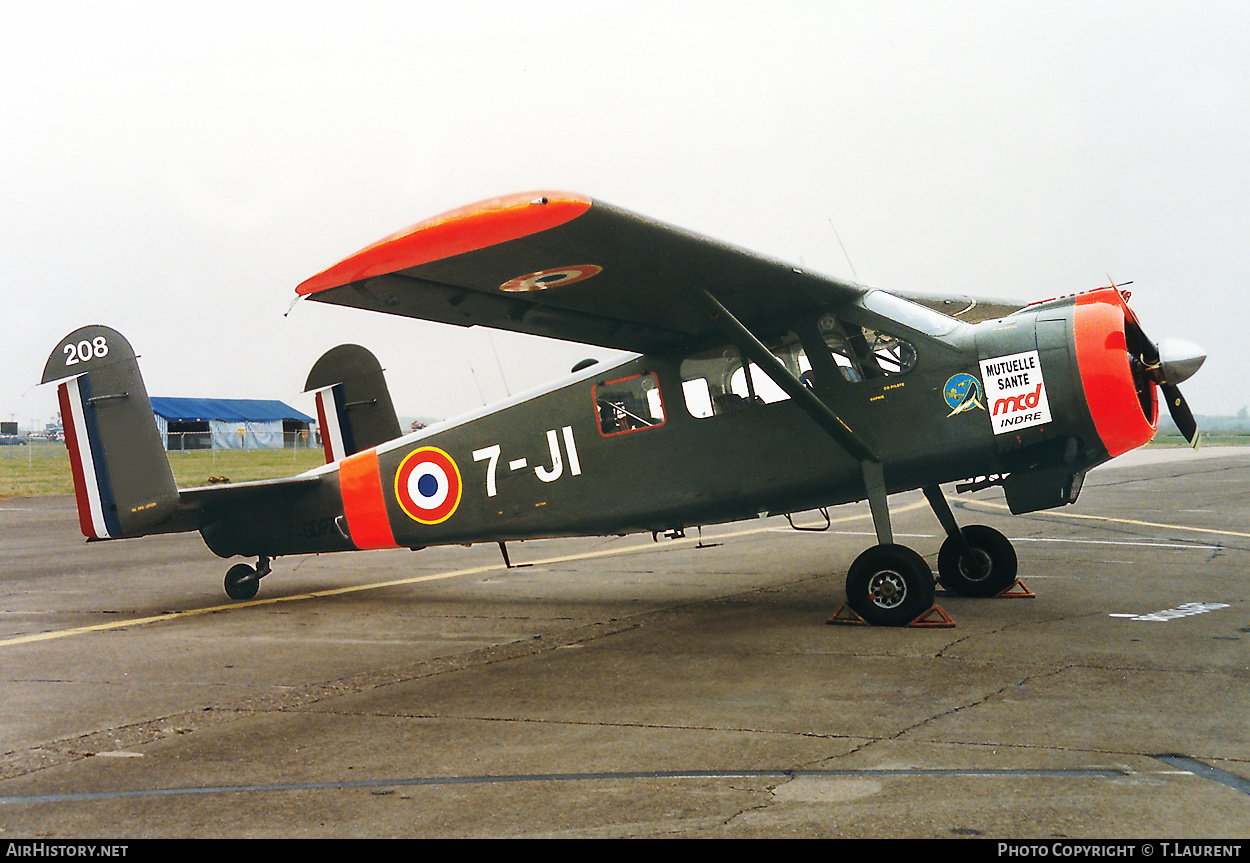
pixel 889 585
pixel 987 569
pixel 242 581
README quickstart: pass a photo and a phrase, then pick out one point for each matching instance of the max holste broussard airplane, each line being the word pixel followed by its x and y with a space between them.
pixel 755 388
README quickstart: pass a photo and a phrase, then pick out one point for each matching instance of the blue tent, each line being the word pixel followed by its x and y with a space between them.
pixel 187 423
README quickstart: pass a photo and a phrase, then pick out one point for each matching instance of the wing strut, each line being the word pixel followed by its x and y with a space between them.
pixel 754 349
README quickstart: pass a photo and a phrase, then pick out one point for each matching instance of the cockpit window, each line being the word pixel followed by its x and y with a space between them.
pixel 839 345
pixel 893 356
pixel 722 381
pixel 862 352
pixel 909 314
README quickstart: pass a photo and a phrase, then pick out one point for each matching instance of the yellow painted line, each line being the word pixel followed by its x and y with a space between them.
pixel 1132 521
pixel 694 539
pixel 338 591
pixel 234 606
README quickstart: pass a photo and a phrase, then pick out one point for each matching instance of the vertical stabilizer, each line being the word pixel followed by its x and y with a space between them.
pixel 354 408
pixel 122 478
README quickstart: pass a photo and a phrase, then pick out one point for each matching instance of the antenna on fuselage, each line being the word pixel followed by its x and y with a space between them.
pixel 844 252
pixel 498 362
pixel 480 394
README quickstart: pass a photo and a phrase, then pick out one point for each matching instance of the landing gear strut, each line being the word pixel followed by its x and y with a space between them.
pixel 242 581
pixel 887 585
pixel 891 585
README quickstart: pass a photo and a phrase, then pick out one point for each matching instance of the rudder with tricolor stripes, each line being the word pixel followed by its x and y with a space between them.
pixel 354 408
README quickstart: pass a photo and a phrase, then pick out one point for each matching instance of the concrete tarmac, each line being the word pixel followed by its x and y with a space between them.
pixel 621 687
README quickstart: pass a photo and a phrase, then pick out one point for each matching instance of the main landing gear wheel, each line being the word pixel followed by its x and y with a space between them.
pixel 889 585
pixel 987 571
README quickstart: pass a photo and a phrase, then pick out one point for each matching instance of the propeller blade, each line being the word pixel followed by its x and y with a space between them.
pixel 1166 364
pixel 1147 351
pixel 1181 414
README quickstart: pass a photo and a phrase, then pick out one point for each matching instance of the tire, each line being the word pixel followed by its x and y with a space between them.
pixel 996 559
pixel 242 582
pixel 889 585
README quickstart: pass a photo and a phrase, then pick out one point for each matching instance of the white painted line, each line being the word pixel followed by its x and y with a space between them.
pixel 1133 521
pixel 814 529
pixel 1116 542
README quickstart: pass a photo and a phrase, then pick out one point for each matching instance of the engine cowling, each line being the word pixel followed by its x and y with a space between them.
pixel 1123 400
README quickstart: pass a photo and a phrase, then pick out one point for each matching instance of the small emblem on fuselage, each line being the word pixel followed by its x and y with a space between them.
pixel 962 393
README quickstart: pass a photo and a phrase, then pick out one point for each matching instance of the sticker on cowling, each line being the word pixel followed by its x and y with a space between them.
pixel 1015 392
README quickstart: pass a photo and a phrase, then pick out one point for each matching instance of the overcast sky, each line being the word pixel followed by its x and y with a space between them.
pixel 175 170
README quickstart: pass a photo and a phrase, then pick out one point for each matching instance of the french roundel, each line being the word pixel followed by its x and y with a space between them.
pixel 544 279
pixel 428 485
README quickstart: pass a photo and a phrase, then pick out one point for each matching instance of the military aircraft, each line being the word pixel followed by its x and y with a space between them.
pixel 752 387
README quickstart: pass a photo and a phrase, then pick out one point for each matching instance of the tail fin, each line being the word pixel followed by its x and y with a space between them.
pixel 121 476
pixel 354 408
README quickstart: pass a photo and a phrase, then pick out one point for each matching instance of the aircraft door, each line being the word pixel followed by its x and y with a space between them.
pixel 629 404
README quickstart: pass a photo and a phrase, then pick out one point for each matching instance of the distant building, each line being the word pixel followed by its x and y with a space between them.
pixel 230 424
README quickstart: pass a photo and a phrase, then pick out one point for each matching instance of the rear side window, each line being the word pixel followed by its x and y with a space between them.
pixel 629 404
pixel 720 381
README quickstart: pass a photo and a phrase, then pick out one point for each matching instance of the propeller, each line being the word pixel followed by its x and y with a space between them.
pixel 1166 364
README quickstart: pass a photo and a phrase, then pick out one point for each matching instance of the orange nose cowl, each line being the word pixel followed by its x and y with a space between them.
pixel 1124 415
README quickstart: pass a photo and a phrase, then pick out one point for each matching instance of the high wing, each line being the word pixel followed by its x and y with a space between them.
pixel 563 265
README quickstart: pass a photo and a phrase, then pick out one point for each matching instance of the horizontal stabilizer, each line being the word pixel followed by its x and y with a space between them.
pixel 354 408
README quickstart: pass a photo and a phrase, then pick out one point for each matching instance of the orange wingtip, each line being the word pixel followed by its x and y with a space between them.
pixel 467 229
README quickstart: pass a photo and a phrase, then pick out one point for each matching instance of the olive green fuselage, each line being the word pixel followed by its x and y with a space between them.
pixel 660 443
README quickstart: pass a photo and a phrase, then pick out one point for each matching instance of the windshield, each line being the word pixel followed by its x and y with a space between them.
pixel 909 314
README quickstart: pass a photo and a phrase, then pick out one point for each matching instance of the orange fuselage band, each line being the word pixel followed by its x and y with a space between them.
pixel 364 506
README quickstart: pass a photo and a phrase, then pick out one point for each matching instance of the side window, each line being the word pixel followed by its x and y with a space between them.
pixel 750 384
pixel 721 381
pixel 698 394
pixel 843 356
pixel 629 404
pixel 705 382
pixel 893 356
